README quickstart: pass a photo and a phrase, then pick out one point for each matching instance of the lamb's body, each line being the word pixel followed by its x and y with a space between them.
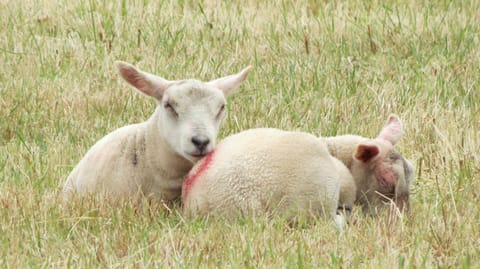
pixel 122 164
pixel 348 187
pixel 152 158
pixel 263 170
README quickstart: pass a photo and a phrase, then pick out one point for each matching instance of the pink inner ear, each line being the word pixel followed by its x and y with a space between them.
pixel 392 131
pixel 135 78
pixel 365 153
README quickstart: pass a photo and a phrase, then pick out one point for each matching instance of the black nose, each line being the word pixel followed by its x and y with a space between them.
pixel 200 141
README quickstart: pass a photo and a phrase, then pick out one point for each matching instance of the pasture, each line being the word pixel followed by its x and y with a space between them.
pixel 324 67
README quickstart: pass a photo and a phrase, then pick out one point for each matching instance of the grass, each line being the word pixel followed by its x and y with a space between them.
pixel 320 67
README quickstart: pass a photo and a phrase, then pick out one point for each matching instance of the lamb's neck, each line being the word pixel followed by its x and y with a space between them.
pixel 343 147
pixel 160 154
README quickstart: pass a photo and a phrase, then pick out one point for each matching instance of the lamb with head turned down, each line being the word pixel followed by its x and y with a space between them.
pixel 262 171
pixel 152 158
pixel 380 173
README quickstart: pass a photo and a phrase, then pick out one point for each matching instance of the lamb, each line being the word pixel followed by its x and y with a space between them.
pixel 152 158
pixel 380 173
pixel 262 171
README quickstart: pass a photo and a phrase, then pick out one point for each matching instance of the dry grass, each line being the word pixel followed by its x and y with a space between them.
pixel 325 68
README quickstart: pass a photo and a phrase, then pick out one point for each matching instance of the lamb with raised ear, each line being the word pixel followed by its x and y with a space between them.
pixel 380 173
pixel 152 158
pixel 264 170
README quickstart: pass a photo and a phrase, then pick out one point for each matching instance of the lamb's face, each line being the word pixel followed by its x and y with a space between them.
pixel 191 115
pixel 386 172
pixel 190 110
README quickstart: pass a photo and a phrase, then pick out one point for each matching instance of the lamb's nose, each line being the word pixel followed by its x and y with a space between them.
pixel 200 142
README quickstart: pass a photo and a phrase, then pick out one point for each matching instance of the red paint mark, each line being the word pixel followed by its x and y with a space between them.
pixel 386 174
pixel 193 175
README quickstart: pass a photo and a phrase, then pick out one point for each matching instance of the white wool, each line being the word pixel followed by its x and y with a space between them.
pixel 264 170
pixel 152 158
pixel 348 188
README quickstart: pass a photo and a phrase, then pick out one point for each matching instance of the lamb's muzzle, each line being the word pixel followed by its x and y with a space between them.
pixel 200 142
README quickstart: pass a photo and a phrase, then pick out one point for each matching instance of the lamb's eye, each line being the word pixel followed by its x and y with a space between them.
pixel 394 156
pixel 170 108
pixel 222 108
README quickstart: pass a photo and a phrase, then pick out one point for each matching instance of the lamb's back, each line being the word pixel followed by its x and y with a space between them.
pixel 263 168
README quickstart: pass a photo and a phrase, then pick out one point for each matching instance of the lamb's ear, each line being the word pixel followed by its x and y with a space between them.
pixel 392 131
pixel 146 83
pixel 366 152
pixel 228 84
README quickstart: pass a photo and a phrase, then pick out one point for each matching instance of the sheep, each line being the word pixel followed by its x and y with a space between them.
pixel 380 173
pixel 262 171
pixel 152 158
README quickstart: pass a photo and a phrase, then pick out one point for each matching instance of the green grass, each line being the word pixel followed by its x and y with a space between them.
pixel 320 67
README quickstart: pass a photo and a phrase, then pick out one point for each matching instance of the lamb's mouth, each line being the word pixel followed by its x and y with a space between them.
pixel 198 155
pixel 401 201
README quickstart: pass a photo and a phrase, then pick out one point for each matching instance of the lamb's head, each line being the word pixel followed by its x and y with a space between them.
pixel 190 111
pixel 386 172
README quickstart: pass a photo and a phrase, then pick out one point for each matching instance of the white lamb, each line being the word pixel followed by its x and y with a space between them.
pixel 264 170
pixel 152 158
pixel 380 173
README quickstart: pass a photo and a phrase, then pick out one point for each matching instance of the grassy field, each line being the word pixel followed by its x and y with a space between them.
pixel 321 67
